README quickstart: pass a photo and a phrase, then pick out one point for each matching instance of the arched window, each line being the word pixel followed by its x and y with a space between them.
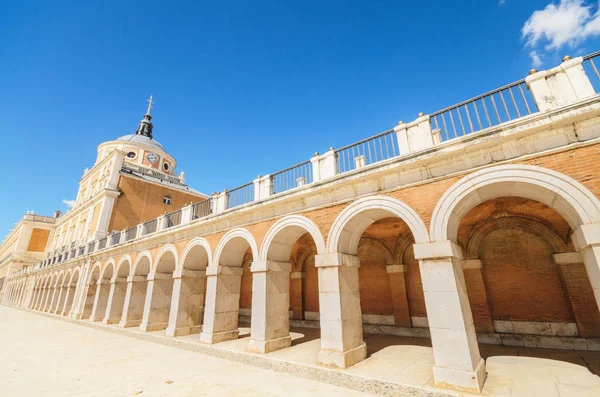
pixel 167 200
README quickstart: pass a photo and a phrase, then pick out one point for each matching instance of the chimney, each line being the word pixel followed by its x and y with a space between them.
pixel 57 213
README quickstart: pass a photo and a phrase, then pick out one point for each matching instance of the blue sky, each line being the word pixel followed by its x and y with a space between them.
pixel 248 87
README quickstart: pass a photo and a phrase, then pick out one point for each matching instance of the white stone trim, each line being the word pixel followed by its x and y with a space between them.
pixel 201 241
pixel 291 221
pixel 395 268
pixel 536 328
pixel 230 235
pixel 392 206
pixel 144 254
pixel 569 198
pixel 568 258
pixel 419 322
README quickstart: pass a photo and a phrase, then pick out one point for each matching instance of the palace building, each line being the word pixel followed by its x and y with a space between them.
pixel 478 224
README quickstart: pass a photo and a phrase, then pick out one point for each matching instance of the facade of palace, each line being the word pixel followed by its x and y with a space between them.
pixel 476 224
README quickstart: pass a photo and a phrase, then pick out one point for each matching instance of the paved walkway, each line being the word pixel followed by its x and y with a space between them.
pixel 41 356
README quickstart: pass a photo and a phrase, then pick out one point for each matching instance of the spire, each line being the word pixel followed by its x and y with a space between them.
pixel 145 126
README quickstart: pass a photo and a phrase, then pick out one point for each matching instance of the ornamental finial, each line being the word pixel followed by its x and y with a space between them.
pixel 150 102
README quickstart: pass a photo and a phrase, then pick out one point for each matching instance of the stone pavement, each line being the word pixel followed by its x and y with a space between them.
pixel 41 356
pixel 75 358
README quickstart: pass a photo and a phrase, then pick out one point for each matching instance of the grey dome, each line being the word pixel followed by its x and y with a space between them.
pixel 135 138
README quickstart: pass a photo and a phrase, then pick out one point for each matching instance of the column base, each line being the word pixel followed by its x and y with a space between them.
pixel 153 327
pixel 210 338
pixel 343 359
pixel 181 331
pixel 94 319
pixel 260 346
pixel 129 323
pixel 469 381
pixel 107 321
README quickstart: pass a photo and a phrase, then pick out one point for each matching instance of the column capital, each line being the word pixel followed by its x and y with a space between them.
pixel 395 268
pixel 437 250
pixel 335 259
pixel 586 235
pixel 132 279
pixel 270 266
pixel 189 273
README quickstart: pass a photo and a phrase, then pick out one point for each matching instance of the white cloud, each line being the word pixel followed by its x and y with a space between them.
pixel 536 60
pixel 69 203
pixel 501 2
pixel 567 23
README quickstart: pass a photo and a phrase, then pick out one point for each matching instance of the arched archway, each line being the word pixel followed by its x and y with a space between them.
pixel 445 285
pixel 60 294
pixel 189 286
pixel 50 292
pixel 70 293
pixel 118 291
pixel 102 291
pixel 271 282
pixel 224 281
pixel 160 289
pixel 135 297
pixel 90 291
pixel 362 250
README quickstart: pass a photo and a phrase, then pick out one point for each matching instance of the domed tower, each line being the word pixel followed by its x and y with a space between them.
pixel 133 180
pixel 140 148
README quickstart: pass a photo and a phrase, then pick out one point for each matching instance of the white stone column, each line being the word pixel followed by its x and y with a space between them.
pixel 96 298
pixel 135 297
pixel 57 307
pixel 69 298
pixel 158 299
pixel 587 240
pixel 270 326
pixel 116 300
pixel 342 342
pixel 458 364
pixel 187 303
pixel 222 304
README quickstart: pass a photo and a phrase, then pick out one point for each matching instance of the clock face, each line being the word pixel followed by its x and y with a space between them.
pixel 152 157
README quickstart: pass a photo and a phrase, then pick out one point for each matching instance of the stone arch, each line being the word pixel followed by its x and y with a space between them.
pixel 351 223
pixel 124 266
pixel 573 201
pixel 164 264
pixel 71 288
pixel 74 273
pixel 279 240
pixel 199 251
pixel 95 272
pixel 232 247
pixel 143 264
pixel 108 270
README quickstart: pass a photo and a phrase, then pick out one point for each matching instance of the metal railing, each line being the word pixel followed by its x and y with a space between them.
pixel 115 238
pixel 377 148
pixel 172 219
pixel 81 251
pixel 483 111
pixel 241 195
pixel 131 233
pixel 102 243
pixel 202 209
pixel 149 227
pixel 590 66
pixel 91 246
pixel 294 176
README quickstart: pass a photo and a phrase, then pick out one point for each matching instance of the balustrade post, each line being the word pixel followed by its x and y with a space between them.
pixel 186 214
pixel 324 165
pixel 140 230
pixel 559 86
pixel 263 187
pixel 416 135
pixel 123 237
